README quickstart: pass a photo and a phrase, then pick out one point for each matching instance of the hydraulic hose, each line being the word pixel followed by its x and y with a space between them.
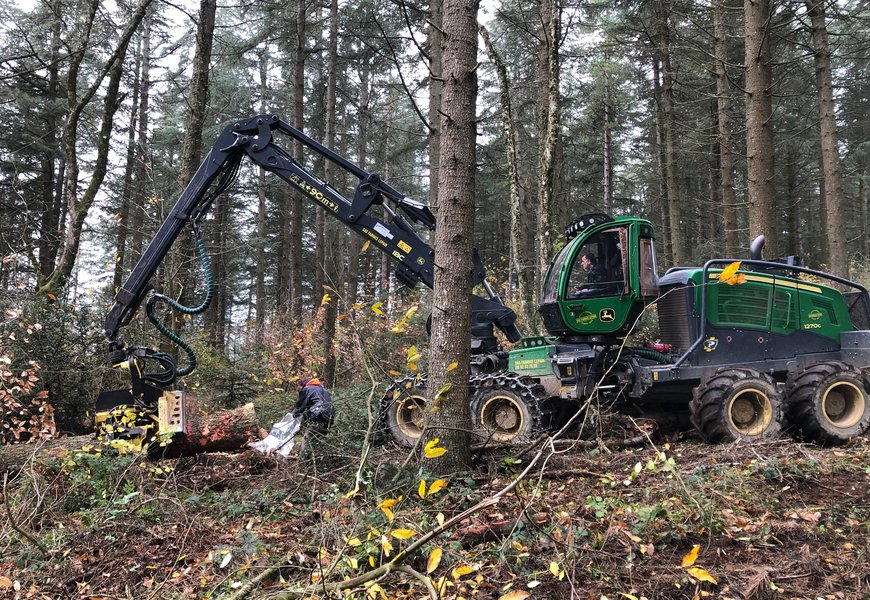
pixel 169 374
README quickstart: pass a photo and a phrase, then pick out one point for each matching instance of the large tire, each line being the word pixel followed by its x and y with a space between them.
pixel 402 410
pixel 828 402
pixel 737 404
pixel 508 408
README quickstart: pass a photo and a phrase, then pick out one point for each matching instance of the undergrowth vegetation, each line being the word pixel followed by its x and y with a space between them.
pixel 591 520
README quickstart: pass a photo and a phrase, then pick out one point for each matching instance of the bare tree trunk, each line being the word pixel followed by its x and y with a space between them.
pixel 141 174
pixel 78 205
pixel 607 176
pixel 550 122
pixel 435 89
pixel 451 308
pixel 831 171
pixel 759 128
pixel 49 234
pixel 666 231
pixel 330 272
pixel 668 109
pixel 353 275
pixel 521 253
pixel 180 283
pixel 723 112
pixel 260 252
pixel 127 185
pixel 296 204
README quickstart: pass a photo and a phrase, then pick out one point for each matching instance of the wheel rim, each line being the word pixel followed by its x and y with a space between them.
pixel 843 404
pixel 502 417
pixel 409 415
pixel 750 412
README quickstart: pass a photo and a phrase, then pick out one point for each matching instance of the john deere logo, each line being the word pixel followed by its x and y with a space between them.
pixel 606 315
pixel 585 318
pixel 815 315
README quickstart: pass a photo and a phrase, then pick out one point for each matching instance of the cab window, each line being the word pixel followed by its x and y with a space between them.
pixel 599 266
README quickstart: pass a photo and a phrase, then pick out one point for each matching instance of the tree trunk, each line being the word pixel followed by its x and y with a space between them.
pixel 669 137
pixel 831 172
pixel 142 177
pixel 260 251
pixel 521 253
pixel 331 257
pixel 451 309
pixel 549 123
pixel 296 204
pixel 127 185
pixel 759 126
pixel 436 18
pixel 180 283
pixel 723 113
pixel 353 275
pixel 78 205
pixel 49 234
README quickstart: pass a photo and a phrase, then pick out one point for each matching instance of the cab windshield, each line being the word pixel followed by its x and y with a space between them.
pixel 599 266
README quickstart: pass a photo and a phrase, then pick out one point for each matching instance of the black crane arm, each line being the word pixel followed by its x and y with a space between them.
pixel 253 137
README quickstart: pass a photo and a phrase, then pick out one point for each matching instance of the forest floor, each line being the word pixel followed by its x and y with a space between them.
pixel 666 518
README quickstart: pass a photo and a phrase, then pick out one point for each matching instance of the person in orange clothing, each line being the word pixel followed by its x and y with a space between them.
pixel 315 410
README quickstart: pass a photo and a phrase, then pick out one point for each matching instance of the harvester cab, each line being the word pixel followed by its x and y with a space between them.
pixel 600 281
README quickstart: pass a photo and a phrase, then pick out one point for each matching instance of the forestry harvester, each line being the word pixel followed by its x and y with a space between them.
pixel 749 349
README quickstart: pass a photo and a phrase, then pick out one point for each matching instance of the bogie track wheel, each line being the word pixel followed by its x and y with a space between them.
pixel 737 404
pixel 828 402
pixel 403 410
pixel 507 409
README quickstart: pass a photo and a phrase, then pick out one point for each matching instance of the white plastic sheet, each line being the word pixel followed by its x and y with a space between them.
pixel 280 440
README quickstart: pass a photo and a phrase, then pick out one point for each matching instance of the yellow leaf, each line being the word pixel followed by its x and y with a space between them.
pixel 452 366
pixel 690 558
pixel 413 355
pixel 410 312
pixel 702 575
pixel 366 246
pixel 432 451
pixel 421 491
pixel 440 518
pixel 554 568
pixel 434 560
pixel 398 328
pixel 376 307
pixel 354 542
pixel 437 486
pixel 443 391
pixel 729 271
pixel 412 366
pixel 52 297
pixel 394 373
pixel 736 279
pixel 402 534
pixel 515 595
pixel 460 571
pixel 628 596
pixel 386 545
pixel 387 504
pixel 351 493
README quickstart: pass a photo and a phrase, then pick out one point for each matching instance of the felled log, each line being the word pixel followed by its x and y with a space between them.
pixel 15 456
pixel 223 431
